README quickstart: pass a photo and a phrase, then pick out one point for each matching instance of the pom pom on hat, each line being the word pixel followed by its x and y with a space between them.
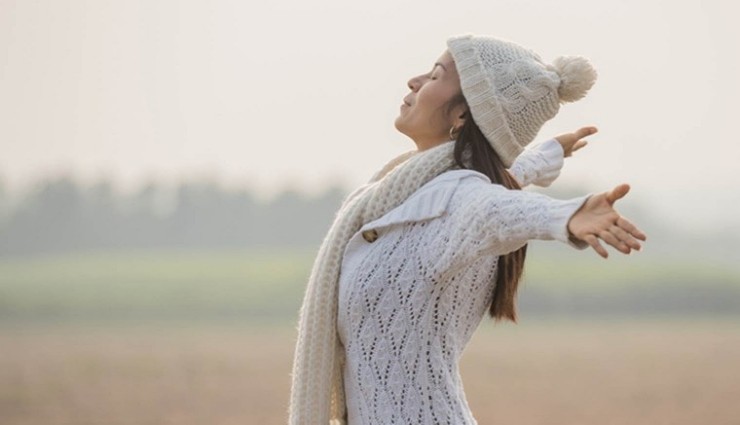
pixel 577 76
pixel 511 92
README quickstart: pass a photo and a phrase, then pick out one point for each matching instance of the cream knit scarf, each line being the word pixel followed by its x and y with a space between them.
pixel 317 393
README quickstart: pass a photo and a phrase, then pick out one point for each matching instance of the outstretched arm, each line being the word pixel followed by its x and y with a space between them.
pixel 541 164
pixel 504 220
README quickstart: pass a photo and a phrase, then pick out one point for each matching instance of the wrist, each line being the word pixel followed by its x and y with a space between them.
pixel 554 145
pixel 572 237
pixel 570 234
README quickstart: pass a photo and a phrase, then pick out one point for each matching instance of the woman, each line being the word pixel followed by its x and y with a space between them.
pixel 437 237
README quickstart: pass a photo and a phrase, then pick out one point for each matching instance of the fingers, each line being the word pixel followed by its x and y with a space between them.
pixel 579 144
pixel 631 228
pixel 585 131
pixel 619 235
pixel 625 237
pixel 571 142
pixel 594 242
pixel 617 193
pixel 612 240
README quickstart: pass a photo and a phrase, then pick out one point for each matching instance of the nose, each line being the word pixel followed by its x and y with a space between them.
pixel 414 84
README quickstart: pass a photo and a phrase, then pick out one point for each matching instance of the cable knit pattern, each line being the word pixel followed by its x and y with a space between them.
pixel 511 92
pixel 410 300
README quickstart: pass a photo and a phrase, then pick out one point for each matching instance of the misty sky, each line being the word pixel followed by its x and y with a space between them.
pixel 269 95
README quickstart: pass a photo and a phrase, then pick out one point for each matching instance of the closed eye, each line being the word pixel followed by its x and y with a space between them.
pixel 431 73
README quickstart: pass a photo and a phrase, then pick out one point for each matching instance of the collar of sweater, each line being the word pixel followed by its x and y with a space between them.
pixel 430 201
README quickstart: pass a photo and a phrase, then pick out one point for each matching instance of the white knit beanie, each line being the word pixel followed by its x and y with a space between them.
pixel 511 92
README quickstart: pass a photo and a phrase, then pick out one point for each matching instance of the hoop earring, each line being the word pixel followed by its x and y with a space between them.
pixel 451 131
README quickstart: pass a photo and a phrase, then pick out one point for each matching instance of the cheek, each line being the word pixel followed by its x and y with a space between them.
pixel 429 98
pixel 433 99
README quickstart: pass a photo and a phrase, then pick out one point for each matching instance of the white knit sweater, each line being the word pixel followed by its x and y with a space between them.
pixel 416 282
pixel 424 187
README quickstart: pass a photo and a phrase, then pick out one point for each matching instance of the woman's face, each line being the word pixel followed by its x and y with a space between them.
pixel 423 117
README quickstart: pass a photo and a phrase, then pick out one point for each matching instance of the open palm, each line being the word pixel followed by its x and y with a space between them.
pixel 597 219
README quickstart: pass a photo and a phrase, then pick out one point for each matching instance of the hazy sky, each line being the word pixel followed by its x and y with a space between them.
pixel 302 93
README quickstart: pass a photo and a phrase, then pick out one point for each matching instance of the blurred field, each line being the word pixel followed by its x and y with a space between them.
pixel 267 285
pixel 647 372
pixel 194 337
pixel 154 284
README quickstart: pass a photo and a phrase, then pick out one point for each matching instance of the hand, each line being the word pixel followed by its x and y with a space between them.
pixel 571 142
pixel 597 218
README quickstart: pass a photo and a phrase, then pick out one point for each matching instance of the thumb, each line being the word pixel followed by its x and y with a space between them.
pixel 617 193
pixel 585 131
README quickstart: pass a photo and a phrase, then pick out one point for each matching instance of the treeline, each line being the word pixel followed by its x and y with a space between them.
pixel 61 215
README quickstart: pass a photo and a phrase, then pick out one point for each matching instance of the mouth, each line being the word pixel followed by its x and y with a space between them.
pixel 406 102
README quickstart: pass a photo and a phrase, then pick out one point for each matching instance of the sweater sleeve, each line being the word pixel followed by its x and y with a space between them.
pixel 504 220
pixel 539 165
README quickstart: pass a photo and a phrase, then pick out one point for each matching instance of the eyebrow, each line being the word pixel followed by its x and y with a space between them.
pixel 443 67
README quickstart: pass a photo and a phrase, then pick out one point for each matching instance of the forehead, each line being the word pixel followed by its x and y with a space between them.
pixel 447 60
pixel 445 57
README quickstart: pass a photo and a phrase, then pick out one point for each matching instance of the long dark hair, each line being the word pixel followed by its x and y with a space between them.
pixel 471 144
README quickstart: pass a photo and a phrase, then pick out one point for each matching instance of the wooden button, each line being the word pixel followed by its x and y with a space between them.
pixel 370 235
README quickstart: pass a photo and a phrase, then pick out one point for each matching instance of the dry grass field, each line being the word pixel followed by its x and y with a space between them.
pixel 647 372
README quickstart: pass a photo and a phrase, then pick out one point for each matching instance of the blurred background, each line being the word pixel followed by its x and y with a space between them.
pixel 168 170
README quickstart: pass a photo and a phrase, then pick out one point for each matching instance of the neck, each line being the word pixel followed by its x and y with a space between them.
pixel 422 145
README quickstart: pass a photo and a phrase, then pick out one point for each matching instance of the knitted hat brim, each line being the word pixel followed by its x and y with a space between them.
pixel 480 93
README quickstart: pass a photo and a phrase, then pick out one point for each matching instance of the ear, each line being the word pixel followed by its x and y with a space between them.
pixel 458 115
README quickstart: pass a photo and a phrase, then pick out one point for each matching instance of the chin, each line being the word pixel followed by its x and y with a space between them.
pixel 400 122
